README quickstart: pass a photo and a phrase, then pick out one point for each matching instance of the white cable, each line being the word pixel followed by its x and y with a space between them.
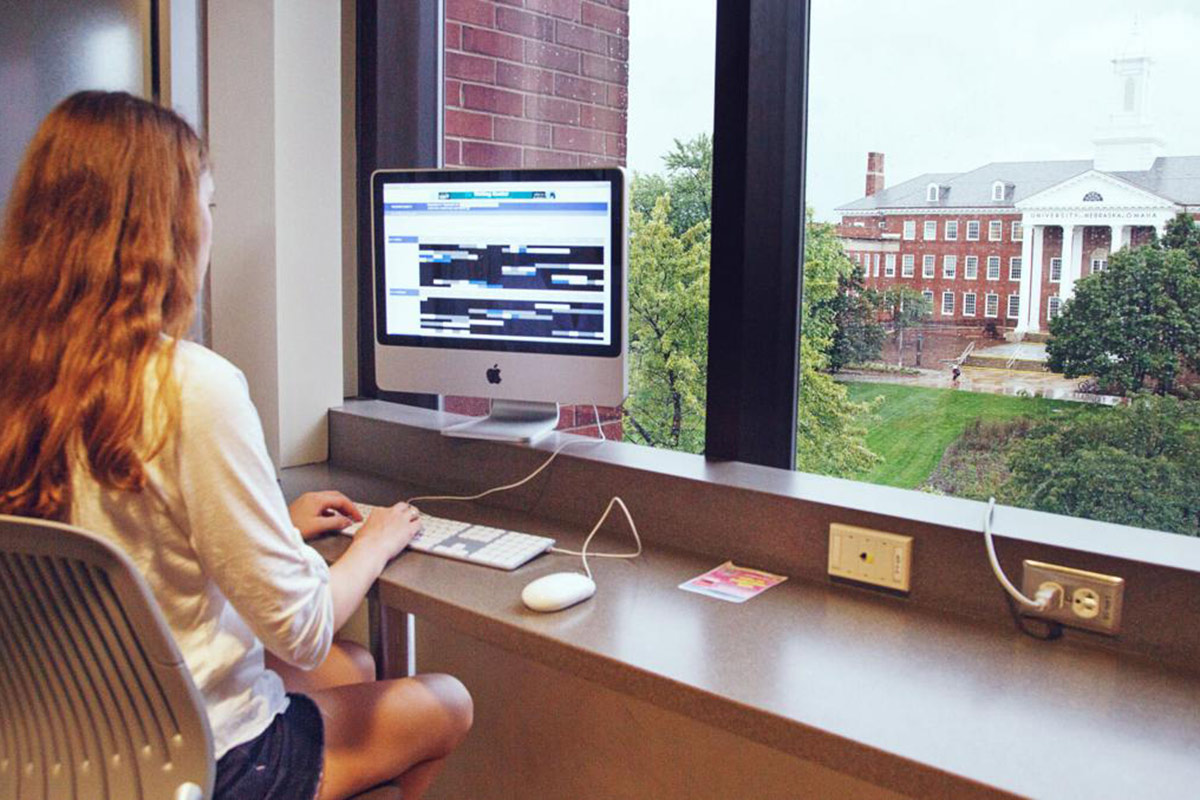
pixel 584 553
pixel 1044 599
pixel 505 488
pixel 614 501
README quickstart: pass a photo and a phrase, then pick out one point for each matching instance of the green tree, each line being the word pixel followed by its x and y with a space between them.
pixel 1182 233
pixel 906 308
pixel 668 309
pixel 1133 465
pixel 1135 324
pixel 688 181
pixel 668 330
pixel 857 334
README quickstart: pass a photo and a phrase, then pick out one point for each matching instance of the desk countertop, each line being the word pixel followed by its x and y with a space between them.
pixel 925 704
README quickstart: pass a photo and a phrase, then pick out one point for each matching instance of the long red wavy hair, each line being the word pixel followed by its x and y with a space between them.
pixel 97 262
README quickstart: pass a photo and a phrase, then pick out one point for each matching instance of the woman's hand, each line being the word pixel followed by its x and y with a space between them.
pixel 388 530
pixel 315 513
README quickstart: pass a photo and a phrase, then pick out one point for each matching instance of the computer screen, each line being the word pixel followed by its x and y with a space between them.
pixel 505 284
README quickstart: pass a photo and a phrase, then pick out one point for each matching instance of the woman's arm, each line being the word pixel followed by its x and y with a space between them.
pixel 386 532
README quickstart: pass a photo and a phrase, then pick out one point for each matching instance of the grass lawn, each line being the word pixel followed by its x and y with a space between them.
pixel 914 425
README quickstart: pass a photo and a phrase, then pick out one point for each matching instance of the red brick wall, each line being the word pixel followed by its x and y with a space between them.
pixel 537 83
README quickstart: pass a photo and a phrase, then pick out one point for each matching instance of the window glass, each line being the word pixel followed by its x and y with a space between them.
pixel 1072 222
pixel 581 83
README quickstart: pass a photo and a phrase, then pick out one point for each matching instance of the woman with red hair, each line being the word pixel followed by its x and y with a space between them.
pixel 113 422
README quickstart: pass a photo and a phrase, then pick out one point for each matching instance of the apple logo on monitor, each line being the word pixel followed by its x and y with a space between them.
pixel 493 374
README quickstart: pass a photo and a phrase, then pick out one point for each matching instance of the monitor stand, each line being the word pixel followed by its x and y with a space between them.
pixel 510 421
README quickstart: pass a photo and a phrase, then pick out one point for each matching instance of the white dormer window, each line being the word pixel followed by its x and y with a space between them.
pixel 931 193
pixel 998 191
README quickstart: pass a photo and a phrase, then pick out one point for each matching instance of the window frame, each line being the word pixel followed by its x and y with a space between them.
pixel 974 304
pixel 975 223
pixel 988 272
pixel 950 230
pixel 995 230
pixel 1015 263
pixel 1053 309
pixel 926 236
pixel 1050 271
pixel 1016 231
pixel 988 300
pixel 889 265
pixel 928 265
pixel 910 230
pixel 908 265
pixel 968 273
pixel 947 294
pixel 949 266
pixel 1008 307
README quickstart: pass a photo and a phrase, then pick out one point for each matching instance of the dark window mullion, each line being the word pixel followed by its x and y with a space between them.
pixel 758 230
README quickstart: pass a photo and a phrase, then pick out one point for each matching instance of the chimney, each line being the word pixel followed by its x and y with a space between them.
pixel 874 173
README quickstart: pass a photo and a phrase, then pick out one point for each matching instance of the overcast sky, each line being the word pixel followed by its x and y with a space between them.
pixel 935 85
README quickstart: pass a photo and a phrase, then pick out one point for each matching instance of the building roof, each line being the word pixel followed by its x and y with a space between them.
pixel 1177 178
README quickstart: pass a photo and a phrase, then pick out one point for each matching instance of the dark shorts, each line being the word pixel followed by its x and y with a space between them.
pixel 283 763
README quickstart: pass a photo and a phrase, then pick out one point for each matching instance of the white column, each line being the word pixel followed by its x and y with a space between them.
pixel 1115 234
pixel 1070 264
pixel 1035 278
pixel 275 104
pixel 1023 322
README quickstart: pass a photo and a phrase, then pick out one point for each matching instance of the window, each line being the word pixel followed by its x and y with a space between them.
pixel 1053 304
pixel 951 230
pixel 1014 268
pixel 1099 264
pixel 995 230
pixel 876 258
pixel 991 305
pixel 1055 270
pixel 931 193
pixel 972 230
pixel 947 304
pixel 968 304
pixel 928 295
pixel 927 264
pixel 930 234
pixel 993 268
pixel 971 268
pixel 1014 305
pixel 949 266
pixel 910 229
pixel 1017 233
pixel 889 265
pixel 998 191
pixel 906 269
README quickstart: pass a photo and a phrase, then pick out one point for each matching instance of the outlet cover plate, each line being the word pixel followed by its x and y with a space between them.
pixel 870 556
pixel 1091 600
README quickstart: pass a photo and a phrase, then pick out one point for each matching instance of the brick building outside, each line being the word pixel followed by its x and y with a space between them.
pixel 1005 243
pixel 537 83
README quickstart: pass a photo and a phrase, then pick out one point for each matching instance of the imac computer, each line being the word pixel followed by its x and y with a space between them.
pixel 504 284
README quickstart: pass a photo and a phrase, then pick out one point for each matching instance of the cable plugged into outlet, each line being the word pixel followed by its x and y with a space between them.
pixel 1090 600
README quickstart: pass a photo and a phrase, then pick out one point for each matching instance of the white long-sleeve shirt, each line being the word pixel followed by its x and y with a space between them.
pixel 212 536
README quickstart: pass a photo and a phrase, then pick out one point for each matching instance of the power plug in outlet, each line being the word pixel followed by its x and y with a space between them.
pixel 868 556
pixel 1089 600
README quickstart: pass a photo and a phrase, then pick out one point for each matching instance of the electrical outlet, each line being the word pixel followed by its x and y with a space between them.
pixel 1089 600
pixel 867 556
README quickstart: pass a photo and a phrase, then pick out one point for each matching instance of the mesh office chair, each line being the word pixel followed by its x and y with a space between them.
pixel 95 700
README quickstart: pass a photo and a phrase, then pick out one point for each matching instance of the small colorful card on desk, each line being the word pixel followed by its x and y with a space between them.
pixel 732 583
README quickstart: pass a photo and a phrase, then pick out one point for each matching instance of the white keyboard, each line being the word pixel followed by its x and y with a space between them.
pixel 465 541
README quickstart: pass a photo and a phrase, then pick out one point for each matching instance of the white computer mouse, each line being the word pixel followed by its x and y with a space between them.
pixel 558 591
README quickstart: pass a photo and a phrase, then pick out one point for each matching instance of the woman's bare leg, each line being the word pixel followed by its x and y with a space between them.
pixel 379 731
pixel 399 731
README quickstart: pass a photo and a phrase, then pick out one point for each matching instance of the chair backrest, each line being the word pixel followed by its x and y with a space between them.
pixel 95 699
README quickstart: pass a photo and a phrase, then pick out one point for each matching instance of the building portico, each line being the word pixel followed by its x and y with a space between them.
pixel 1093 208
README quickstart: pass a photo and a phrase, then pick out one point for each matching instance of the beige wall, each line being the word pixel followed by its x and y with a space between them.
pixel 275 128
